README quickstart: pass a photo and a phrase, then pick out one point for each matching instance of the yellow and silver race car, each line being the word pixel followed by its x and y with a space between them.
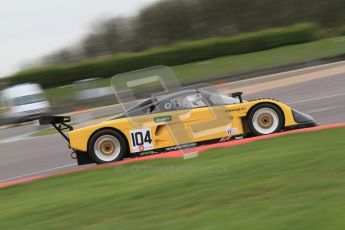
pixel 180 120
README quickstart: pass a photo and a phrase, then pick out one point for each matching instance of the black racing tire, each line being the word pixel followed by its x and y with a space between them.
pixel 265 119
pixel 107 146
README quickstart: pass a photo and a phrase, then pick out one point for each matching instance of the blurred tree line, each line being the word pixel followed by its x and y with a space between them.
pixel 170 21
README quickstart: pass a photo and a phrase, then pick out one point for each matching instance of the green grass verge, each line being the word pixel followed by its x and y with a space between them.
pixel 291 182
pixel 212 69
pixel 286 55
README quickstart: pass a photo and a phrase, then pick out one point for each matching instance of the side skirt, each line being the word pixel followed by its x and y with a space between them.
pixel 83 158
pixel 186 146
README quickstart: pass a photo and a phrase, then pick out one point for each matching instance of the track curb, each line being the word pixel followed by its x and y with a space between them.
pixel 174 154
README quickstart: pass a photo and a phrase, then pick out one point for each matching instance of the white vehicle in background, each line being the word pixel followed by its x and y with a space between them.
pixel 24 102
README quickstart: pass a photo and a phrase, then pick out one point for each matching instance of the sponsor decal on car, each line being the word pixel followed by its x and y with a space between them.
pixel 141 140
pixel 147 153
pixel 163 119
pixel 239 138
pixel 232 131
pixel 230 138
pixel 236 109
pixel 178 147
pixel 168 106
pixel 225 139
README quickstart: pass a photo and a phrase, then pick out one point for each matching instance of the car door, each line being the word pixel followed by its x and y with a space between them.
pixel 206 121
pixel 159 128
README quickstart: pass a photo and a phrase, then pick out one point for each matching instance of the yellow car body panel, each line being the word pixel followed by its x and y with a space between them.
pixel 181 127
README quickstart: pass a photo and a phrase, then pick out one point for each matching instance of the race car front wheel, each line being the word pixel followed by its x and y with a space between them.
pixel 107 146
pixel 265 119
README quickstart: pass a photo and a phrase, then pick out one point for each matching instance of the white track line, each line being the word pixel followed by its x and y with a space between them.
pixel 16 138
pixel 317 98
pixel 35 173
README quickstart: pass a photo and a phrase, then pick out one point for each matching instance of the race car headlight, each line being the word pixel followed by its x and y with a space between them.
pixel 301 117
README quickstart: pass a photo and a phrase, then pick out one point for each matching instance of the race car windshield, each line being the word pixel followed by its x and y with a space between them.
pixel 141 104
pixel 223 100
pixel 193 101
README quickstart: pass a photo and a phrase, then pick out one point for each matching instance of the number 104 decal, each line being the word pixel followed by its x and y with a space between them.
pixel 141 140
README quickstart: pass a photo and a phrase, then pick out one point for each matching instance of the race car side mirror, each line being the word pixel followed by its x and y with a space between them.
pixel 238 95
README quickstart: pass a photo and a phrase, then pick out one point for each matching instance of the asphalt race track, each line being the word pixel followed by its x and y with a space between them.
pixel 323 98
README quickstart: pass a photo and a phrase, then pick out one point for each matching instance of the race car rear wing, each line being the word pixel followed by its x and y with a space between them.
pixel 59 123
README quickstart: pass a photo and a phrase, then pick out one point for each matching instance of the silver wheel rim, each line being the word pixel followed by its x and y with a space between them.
pixel 265 121
pixel 107 148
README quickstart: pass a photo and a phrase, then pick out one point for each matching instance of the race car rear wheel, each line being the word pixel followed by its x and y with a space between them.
pixel 265 119
pixel 107 146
